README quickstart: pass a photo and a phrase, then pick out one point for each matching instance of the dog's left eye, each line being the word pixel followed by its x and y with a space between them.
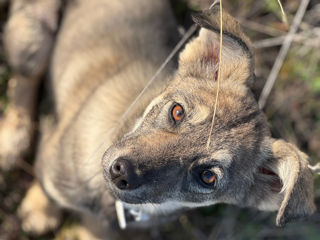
pixel 177 112
pixel 208 177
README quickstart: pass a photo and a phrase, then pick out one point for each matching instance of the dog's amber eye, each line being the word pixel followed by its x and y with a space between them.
pixel 208 177
pixel 177 112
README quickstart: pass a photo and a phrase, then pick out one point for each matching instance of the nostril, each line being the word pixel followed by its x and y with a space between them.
pixel 119 168
pixel 123 184
pixel 123 175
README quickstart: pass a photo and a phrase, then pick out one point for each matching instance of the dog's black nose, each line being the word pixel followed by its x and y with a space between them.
pixel 123 175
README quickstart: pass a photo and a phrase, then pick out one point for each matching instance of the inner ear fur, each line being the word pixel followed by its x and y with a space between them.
pixel 291 166
pixel 200 57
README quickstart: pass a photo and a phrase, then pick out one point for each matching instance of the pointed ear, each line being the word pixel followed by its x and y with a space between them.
pixel 290 166
pixel 200 57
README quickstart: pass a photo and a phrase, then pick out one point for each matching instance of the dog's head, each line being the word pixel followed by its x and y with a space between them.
pixel 165 159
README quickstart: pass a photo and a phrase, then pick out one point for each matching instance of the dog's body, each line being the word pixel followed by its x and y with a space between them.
pixel 117 60
pixel 103 56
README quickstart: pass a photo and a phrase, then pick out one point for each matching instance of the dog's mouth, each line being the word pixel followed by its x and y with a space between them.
pixel 127 214
pixel 140 196
pixel 274 182
pixel 130 197
pixel 144 213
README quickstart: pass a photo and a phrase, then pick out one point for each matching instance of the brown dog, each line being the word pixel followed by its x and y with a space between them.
pixel 157 161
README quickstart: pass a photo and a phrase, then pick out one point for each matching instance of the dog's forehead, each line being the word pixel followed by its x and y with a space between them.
pixel 220 155
pixel 205 90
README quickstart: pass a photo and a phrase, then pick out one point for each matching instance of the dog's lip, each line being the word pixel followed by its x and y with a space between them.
pixel 128 198
pixel 122 195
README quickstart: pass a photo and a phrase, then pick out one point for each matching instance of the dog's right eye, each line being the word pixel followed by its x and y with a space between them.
pixel 176 112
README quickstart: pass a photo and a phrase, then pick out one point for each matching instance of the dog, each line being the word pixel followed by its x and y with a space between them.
pixel 166 154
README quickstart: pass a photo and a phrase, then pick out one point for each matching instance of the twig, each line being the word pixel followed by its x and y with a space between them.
pixel 271 42
pixel 185 37
pixel 25 167
pixel 260 27
pixel 282 53
pixel 183 40
pixel 309 37
pixel 219 72
pixel 284 16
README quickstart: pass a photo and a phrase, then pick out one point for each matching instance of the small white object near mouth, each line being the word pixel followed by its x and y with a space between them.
pixel 144 212
pixel 120 214
pixel 136 213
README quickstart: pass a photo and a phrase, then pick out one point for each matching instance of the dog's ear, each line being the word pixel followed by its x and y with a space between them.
pixel 200 57
pixel 295 182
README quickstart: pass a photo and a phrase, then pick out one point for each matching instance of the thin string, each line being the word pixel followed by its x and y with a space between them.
pixel 219 76
pixel 182 41
pixel 284 16
pixel 185 37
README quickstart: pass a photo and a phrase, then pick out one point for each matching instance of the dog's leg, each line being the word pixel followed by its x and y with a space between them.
pixel 81 232
pixel 94 228
pixel 38 214
pixel 28 40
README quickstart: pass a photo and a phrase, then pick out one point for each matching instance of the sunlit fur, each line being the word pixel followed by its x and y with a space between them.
pixel 104 54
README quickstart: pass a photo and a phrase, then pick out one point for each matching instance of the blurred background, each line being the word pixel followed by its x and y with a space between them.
pixel 292 108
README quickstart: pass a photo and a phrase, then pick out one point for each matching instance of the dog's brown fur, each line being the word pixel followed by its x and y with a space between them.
pixel 104 54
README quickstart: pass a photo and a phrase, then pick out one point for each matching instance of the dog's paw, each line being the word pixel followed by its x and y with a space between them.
pixel 15 139
pixel 38 215
pixel 79 232
pixel 38 221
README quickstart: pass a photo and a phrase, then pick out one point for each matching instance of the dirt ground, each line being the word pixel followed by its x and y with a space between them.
pixel 293 111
